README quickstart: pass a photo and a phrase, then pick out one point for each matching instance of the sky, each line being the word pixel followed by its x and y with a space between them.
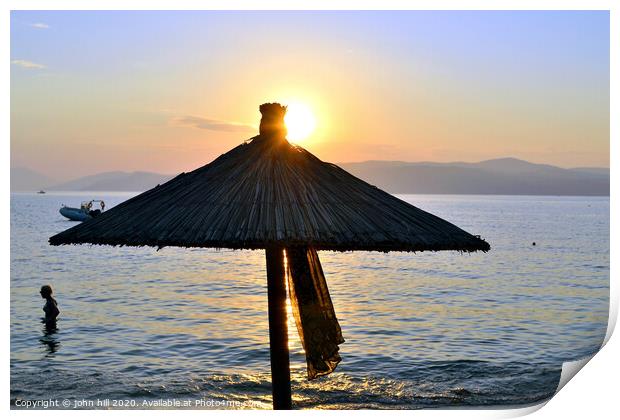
pixel 169 91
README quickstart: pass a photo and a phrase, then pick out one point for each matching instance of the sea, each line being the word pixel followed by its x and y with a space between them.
pixel 187 328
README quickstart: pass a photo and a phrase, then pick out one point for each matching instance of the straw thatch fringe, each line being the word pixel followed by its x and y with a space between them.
pixel 269 192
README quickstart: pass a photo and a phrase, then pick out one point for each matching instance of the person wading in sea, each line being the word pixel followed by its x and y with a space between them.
pixel 51 306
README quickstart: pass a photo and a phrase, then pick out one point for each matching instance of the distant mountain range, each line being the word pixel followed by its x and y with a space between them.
pixel 24 179
pixel 114 181
pixel 508 176
pixel 497 176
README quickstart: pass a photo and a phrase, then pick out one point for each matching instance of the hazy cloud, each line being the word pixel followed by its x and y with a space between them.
pixel 27 64
pixel 214 125
pixel 39 25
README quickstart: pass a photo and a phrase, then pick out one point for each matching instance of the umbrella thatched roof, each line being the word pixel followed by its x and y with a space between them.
pixel 269 192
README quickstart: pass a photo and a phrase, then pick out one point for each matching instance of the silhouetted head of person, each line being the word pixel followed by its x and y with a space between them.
pixel 272 121
pixel 46 291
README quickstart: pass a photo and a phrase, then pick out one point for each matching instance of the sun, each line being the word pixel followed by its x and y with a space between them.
pixel 300 121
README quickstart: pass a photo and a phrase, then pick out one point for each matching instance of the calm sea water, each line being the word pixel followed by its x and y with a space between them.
pixel 422 330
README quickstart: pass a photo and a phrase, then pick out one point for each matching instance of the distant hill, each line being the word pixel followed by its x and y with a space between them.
pixel 113 181
pixel 24 179
pixel 507 176
pixel 600 171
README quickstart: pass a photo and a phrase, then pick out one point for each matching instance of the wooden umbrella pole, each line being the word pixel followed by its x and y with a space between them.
pixel 278 334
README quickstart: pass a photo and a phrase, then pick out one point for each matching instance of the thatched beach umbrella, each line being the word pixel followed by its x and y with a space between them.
pixel 269 194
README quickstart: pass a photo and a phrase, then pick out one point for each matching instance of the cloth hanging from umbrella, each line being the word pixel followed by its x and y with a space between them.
pixel 319 330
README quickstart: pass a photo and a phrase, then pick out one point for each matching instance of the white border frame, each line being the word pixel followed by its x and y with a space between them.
pixel 592 394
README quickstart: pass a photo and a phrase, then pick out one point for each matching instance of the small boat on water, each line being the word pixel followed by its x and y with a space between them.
pixel 41 192
pixel 85 212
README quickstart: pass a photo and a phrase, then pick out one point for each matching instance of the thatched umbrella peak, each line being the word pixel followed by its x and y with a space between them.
pixel 272 121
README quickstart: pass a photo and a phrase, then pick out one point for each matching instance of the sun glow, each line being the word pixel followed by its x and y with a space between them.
pixel 300 122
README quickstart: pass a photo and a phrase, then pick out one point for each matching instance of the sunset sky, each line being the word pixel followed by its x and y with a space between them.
pixel 170 91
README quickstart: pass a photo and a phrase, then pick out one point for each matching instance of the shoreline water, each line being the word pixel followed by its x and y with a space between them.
pixel 422 330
